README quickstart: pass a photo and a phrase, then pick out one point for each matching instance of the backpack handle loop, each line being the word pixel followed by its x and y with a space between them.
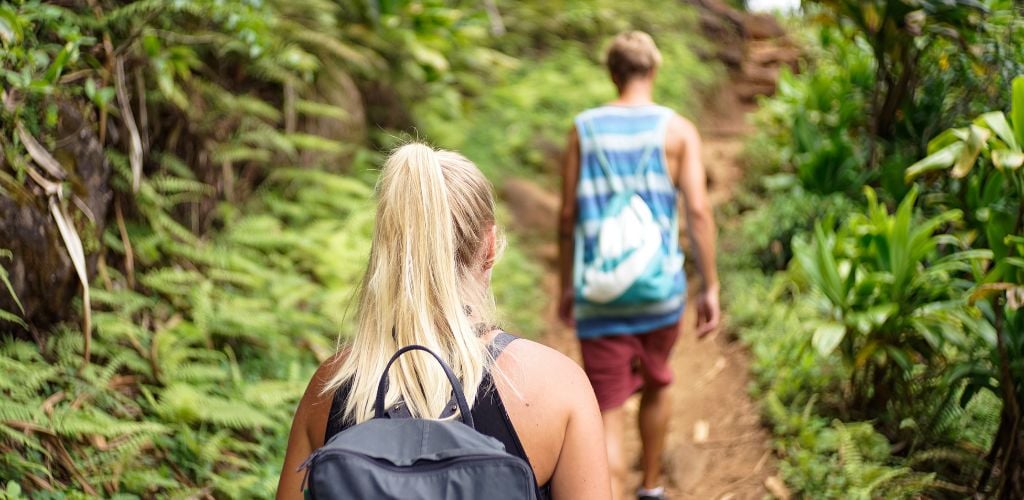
pixel 460 397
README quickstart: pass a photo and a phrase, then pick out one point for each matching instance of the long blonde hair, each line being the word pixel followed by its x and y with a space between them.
pixel 424 284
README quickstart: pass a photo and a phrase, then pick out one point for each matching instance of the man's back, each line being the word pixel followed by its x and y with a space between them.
pixel 623 152
pixel 623 351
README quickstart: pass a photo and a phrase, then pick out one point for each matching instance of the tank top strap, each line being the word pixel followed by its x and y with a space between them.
pixel 336 421
pixel 499 343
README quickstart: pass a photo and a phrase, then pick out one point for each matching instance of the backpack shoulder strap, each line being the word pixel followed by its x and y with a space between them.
pixel 660 130
pixel 585 131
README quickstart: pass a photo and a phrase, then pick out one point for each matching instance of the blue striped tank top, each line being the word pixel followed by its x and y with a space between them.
pixel 627 136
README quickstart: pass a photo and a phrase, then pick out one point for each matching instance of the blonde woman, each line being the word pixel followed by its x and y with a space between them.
pixel 434 244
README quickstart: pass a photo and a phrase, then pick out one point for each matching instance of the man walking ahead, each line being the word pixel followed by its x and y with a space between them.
pixel 621 268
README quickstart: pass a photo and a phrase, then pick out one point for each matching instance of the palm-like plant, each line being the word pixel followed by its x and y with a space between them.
pixel 899 32
pixel 986 159
pixel 890 303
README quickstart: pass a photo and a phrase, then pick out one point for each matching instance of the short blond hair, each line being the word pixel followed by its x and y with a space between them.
pixel 632 54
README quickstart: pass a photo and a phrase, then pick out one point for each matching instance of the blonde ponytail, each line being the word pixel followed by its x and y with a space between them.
pixel 423 284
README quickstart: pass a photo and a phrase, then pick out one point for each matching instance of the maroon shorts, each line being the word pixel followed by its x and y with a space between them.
pixel 620 365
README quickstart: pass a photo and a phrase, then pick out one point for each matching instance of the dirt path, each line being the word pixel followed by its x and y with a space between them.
pixel 717 448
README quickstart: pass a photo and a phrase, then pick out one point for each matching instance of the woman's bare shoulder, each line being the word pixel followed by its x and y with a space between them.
pixel 535 368
pixel 315 406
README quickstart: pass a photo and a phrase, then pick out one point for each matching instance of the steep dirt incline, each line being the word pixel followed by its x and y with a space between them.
pixel 717 448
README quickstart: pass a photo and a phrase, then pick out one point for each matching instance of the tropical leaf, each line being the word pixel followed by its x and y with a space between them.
pixel 827 337
pixel 938 160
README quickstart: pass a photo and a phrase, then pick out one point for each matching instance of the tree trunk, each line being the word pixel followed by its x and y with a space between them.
pixel 41 272
pixel 1011 485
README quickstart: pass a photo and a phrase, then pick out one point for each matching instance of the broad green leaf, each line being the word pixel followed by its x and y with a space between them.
pixel 881 313
pixel 988 290
pixel 865 353
pixel 827 337
pixel 1017 108
pixel 975 142
pixel 941 159
pixel 57 67
pixel 1007 159
pixel 947 137
pixel 872 19
pixel 999 225
pixel 900 357
pixel 428 56
pixel 996 121
pixel 9 29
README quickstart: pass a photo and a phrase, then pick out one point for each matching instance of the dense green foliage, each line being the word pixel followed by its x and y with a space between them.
pixel 886 357
pixel 530 113
pixel 243 137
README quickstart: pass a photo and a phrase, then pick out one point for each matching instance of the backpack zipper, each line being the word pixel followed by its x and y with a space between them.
pixel 305 466
pixel 436 465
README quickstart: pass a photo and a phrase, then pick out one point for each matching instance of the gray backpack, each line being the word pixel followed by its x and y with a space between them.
pixel 412 458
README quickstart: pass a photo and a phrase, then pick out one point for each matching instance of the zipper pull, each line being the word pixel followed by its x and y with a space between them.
pixel 306 466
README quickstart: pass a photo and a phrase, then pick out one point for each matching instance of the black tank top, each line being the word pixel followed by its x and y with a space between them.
pixel 489 413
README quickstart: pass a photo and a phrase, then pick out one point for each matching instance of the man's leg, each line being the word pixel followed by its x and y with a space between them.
pixel 655 401
pixel 614 426
pixel 655 411
pixel 608 362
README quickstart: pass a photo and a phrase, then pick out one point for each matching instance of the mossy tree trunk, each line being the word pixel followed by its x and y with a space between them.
pixel 41 272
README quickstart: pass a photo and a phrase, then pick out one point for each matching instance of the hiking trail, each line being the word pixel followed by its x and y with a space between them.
pixel 717 448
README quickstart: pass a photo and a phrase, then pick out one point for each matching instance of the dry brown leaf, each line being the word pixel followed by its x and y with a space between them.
pixel 39 154
pixel 777 488
pixel 73 243
pixel 135 142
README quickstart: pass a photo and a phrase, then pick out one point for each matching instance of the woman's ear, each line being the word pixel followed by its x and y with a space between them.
pixel 491 247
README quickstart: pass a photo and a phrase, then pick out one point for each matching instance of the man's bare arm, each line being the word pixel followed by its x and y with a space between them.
pixel 566 224
pixel 692 180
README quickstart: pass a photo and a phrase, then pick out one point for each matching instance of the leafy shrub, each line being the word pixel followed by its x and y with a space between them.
pixel 984 162
pixel 229 273
pixel 890 304
pixel 937 447
pixel 519 126
pixel 816 118
pixel 768 228
pixel 197 370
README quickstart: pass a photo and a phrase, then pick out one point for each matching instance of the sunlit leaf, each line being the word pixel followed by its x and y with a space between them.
pixel 1017 108
pixel 827 337
pixel 947 137
pixel 989 290
pixel 1007 159
pixel 900 357
pixel 972 148
pixel 996 121
pixel 939 160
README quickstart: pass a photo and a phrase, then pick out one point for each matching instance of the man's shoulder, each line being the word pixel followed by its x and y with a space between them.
pixel 609 111
pixel 588 113
pixel 681 127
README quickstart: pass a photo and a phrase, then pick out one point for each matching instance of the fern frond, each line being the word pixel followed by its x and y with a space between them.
pixel 188 404
pixel 238 153
pixel 13 410
pixel 312 142
pixel 321 109
pixel 849 452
